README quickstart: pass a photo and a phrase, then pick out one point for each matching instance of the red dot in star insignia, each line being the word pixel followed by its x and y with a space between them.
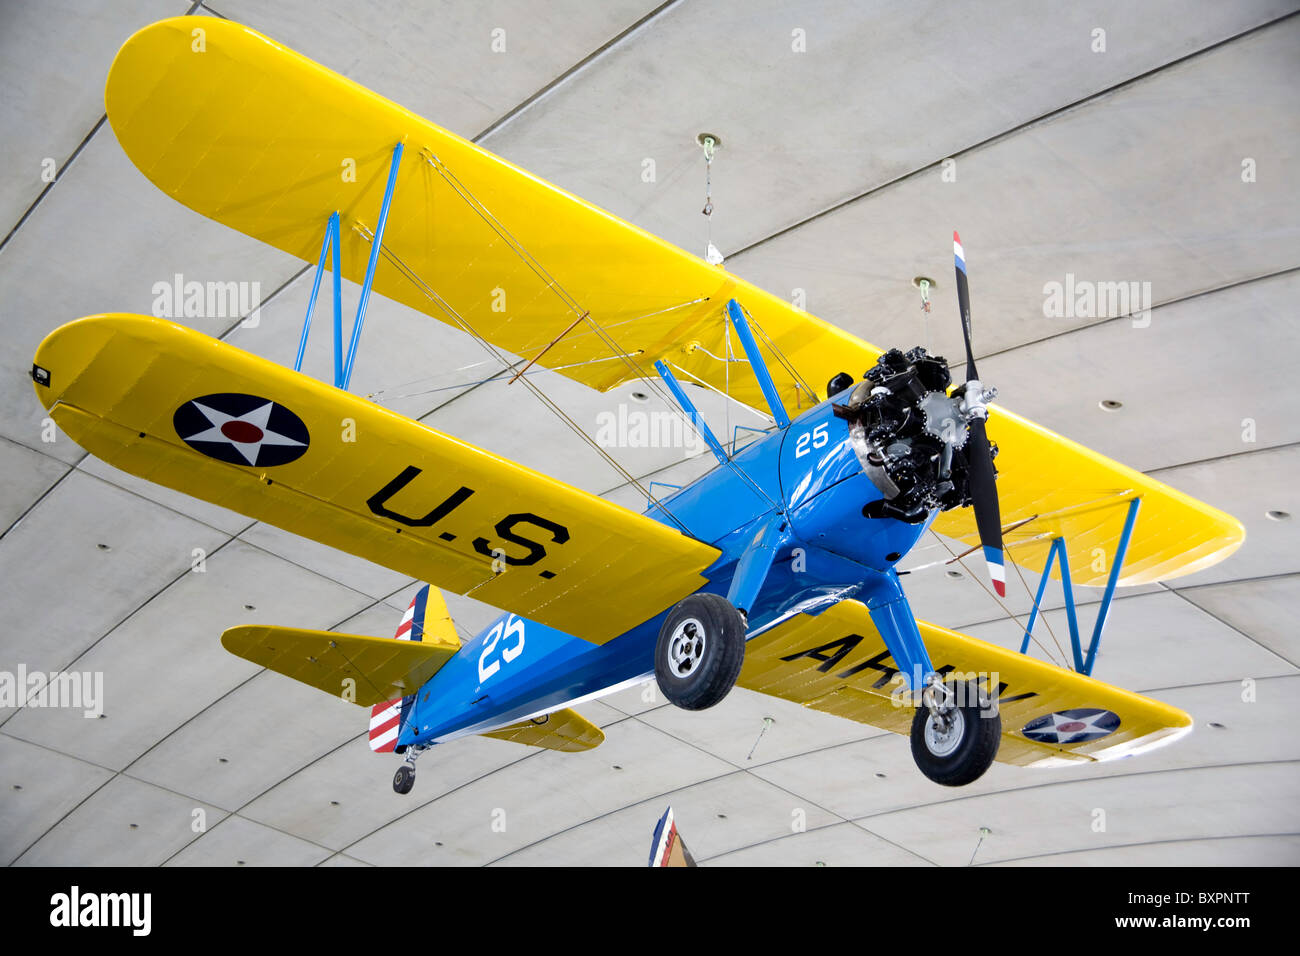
pixel 243 432
pixel 1072 727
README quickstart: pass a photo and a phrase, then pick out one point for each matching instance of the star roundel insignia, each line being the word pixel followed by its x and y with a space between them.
pixel 241 429
pixel 1072 726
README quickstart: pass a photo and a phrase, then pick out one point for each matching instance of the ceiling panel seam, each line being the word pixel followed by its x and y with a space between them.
pixel 58 177
pixel 93 644
pixel 1234 628
pixel 1013 130
pixel 1065 783
pixel 574 70
pixel 1228 457
pixel 736 769
pixel 1226 287
pixel 1126 846
pixel 1215 683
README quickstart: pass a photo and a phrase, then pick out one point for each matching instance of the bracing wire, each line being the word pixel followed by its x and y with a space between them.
pixel 1005 610
pixel 425 289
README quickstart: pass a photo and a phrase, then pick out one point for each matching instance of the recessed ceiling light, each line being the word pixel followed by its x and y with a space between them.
pixel 955 575
pixel 1216 725
pixel 1110 405
pixel 249 607
pixel 1277 515
pixel 639 397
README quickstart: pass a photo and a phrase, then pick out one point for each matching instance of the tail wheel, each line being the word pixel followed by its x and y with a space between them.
pixel 700 651
pixel 404 779
pixel 955 747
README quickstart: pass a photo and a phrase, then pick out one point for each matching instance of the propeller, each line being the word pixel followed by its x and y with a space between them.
pixel 983 485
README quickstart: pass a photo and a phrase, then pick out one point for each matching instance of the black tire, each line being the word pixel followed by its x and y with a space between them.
pixel 969 749
pixel 700 651
pixel 404 779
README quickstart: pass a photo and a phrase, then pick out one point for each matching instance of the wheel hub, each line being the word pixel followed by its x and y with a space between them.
pixel 943 734
pixel 686 647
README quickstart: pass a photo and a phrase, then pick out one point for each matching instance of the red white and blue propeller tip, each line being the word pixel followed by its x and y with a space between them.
pixel 957 252
pixel 997 570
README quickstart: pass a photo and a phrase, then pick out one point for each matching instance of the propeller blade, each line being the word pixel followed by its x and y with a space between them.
pixel 984 498
pixel 963 303
pixel 983 482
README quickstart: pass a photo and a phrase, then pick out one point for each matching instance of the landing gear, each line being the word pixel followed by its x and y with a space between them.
pixel 700 651
pixel 404 779
pixel 955 733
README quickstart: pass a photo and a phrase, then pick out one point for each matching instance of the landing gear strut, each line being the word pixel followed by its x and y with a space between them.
pixel 955 732
pixel 700 651
pixel 404 779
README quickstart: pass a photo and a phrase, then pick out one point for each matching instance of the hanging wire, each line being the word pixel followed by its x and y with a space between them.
pixel 924 286
pixel 711 253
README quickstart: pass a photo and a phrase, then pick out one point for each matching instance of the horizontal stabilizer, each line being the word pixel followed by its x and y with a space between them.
pixel 564 730
pixel 361 670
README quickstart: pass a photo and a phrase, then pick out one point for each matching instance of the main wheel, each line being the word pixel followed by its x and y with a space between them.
pixel 957 749
pixel 700 651
pixel 404 779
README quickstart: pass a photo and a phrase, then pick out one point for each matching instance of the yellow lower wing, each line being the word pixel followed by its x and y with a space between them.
pixel 565 730
pixel 361 670
pixel 838 663
pixel 189 412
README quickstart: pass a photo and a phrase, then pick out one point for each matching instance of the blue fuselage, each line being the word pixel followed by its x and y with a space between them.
pixel 802 487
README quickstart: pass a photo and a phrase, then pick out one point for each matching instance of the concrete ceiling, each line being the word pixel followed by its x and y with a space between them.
pixel 1123 165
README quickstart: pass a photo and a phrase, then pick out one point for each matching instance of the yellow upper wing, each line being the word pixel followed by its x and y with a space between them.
pixel 838 663
pixel 343 471
pixel 270 143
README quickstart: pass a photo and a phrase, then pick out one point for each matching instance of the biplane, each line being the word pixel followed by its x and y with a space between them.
pixel 777 570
